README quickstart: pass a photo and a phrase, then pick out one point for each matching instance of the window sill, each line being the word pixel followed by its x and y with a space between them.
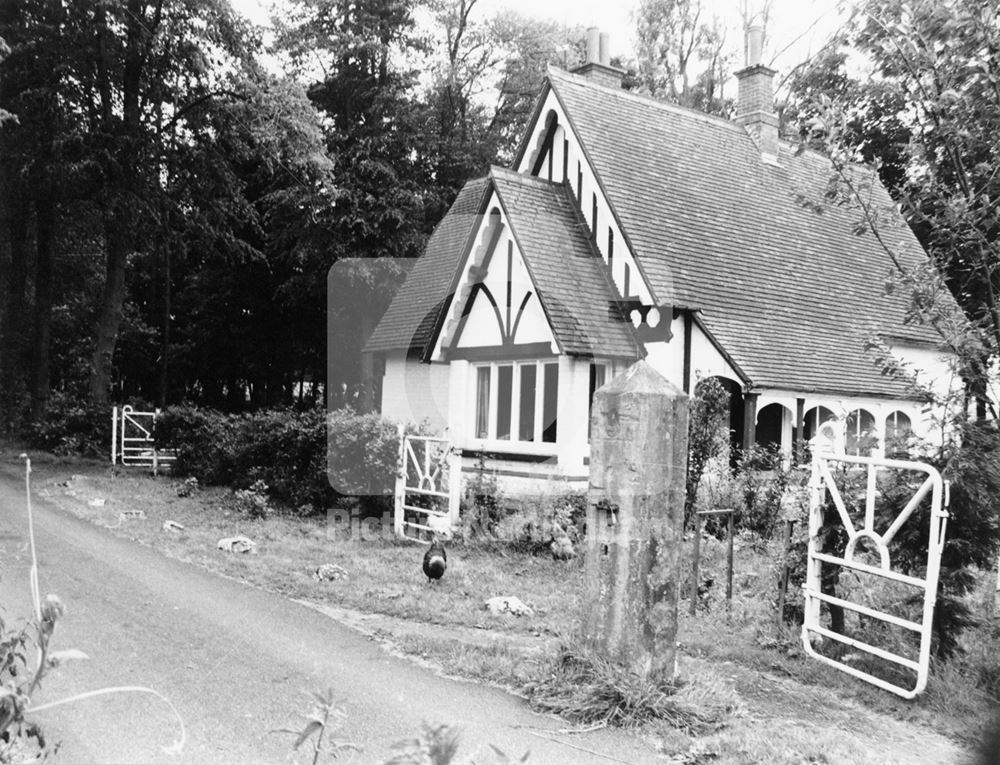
pixel 515 451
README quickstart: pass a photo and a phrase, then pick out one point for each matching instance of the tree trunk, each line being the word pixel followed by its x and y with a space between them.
pixel 116 237
pixel 164 383
pixel 45 222
pixel 366 397
pixel 119 219
pixel 12 341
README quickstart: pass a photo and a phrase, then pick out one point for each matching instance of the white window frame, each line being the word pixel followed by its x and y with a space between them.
pixel 857 432
pixel 610 369
pixel 513 444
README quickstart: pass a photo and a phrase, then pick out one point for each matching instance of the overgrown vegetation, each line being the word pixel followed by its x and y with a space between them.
pixel 588 689
pixel 708 436
pixel 19 738
pixel 292 456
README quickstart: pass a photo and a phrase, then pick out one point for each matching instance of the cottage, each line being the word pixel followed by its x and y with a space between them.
pixel 629 228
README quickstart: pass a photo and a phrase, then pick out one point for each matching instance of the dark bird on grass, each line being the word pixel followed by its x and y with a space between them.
pixel 435 561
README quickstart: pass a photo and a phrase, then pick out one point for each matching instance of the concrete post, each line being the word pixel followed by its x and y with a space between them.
pixel 635 517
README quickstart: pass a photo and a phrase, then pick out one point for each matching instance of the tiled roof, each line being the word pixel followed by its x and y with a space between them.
pixel 554 240
pixel 571 278
pixel 782 279
pixel 410 321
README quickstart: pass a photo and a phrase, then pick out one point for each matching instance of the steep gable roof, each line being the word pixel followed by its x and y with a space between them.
pixel 568 272
pixel 416 310
pixel 782 279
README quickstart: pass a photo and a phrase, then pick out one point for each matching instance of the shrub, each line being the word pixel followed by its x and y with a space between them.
pixel 292 452
pixel 69 427
pixel 707 435
pixel 553 519
pixel 752 490
pixel 762 478
pixel 481 510
pixel 253 501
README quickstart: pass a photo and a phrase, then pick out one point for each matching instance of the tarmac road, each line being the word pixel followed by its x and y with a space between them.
pixel 236 661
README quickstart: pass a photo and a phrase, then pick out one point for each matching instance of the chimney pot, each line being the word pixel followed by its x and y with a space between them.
pixel 598 67
pixel 755 44
pixel 593 45
pixel 755 101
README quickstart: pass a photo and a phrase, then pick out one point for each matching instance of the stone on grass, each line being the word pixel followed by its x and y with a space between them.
pixel 562 548
pixel 508 604
pixel 329 572
pixel 237 544
pixel 440 525
pixel 97 502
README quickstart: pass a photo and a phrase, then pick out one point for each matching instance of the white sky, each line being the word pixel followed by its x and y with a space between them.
pixel 797 29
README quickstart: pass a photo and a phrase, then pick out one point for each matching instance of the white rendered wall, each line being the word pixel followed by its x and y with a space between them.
pixel 414 392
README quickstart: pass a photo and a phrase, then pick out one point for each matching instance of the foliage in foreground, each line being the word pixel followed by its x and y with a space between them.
pixel 18 680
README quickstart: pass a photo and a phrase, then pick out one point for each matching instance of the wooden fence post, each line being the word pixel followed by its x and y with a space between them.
pixel 635 519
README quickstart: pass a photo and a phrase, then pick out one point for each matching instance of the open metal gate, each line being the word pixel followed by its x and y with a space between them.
pixel 427 488
pixel 863 531
pixel 132 439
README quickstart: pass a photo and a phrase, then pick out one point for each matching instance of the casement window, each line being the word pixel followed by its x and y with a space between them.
pixel 898 430
pixel 517 401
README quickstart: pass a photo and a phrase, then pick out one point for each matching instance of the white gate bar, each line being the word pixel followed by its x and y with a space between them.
pixel 857 607
pixel 867 648
pixel 426 511
pixel 114 435
pixel 865 568
pixel 428 492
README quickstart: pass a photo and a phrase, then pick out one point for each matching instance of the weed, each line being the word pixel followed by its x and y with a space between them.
pixel 188 487
pixel 253 502
pixel 586 688
pixel 481 510
pixel 437 745
pixel 322 721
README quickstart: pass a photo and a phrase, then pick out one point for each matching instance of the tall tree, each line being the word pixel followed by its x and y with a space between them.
pixel 681 54
pixel 364 53
pixel 928 121
pixel 152 64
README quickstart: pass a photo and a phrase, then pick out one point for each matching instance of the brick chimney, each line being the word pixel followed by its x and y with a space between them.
pixel 755 102
pixel 598 67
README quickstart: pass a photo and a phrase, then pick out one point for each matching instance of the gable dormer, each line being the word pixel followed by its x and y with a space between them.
pixel 531 282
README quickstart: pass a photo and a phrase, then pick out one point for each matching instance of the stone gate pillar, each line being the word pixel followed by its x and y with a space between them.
pixel 635 517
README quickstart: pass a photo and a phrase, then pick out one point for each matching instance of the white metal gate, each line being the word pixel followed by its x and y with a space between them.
pixel 822 483
pixel 132 439
pixel 427 487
